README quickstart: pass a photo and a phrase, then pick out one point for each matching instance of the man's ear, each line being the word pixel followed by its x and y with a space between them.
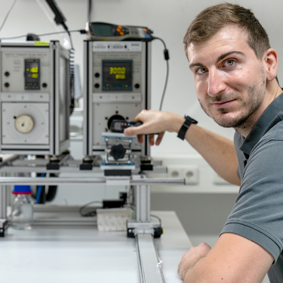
pixel 270 59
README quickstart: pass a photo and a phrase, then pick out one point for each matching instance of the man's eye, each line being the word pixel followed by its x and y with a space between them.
pixel 229 62
pixel 201 70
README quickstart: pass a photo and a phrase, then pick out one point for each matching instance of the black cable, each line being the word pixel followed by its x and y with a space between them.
pixel 90 213
pixel 7 15
pixel 89 10
pixel 52 190
pixel 44 34
pixel 166 57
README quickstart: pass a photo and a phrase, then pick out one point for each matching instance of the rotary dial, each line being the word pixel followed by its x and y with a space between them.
pixel 24 123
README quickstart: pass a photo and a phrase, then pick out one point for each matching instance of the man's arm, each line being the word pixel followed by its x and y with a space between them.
pixel 233 259
pixel 218 151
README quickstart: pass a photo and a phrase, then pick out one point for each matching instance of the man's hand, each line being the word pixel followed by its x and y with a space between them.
pixel 191 257
pixel 233 259
pixel 155 122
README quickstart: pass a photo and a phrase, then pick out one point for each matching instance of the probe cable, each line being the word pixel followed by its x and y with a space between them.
pixel 166 57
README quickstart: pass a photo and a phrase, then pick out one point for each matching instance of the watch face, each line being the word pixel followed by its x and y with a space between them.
pixel 193 121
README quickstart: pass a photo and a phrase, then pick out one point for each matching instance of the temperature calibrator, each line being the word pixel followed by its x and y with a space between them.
pixel 117 87
pixel 34 98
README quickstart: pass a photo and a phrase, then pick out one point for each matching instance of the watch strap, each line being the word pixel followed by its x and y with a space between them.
pixel 183 130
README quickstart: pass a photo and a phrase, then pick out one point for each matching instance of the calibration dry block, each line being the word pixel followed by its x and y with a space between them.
pixel 117 87
pixel 35 98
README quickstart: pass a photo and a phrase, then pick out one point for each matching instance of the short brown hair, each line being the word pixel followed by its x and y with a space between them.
pixel 211 20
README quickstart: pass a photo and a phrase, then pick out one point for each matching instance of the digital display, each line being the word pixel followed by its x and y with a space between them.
pixel 32 77
pixel 102 29
pixel 117 75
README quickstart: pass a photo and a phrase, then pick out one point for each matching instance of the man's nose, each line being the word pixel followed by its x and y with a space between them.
pixel 216 82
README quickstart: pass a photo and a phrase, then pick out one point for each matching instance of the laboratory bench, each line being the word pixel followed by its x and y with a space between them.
pixel 66 253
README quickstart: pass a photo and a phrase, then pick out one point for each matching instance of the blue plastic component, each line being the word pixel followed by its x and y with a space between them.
pixel 22 189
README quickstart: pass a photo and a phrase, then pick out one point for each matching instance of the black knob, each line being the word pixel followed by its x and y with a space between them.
pixel 6 84
pixel 44 85
pixel 7 74
pixel 118 151
pixel 96 85
pixel 137 85
pixel 97 75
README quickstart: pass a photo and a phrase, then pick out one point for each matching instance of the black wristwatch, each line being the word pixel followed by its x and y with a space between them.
pixel 182 132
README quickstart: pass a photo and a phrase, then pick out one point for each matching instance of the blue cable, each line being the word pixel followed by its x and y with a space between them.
pixel 39 190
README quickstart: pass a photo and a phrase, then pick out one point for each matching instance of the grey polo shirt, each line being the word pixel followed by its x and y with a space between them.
pixel 258 211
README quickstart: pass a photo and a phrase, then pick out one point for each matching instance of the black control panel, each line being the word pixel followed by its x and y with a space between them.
pixel 32 74
pixel 103 29
pixel 117 75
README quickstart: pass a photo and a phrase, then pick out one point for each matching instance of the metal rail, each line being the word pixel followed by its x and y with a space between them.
pixel 102 180
pixel 150 265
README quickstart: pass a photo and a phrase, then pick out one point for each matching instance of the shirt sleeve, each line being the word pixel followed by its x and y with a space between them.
pixel 258 211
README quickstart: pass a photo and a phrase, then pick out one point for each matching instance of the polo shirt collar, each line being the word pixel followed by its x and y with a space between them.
pixel 266 121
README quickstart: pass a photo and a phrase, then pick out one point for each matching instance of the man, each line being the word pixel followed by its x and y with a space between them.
pixel 234 71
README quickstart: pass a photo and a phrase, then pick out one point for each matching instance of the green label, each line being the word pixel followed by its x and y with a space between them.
pixel 41 43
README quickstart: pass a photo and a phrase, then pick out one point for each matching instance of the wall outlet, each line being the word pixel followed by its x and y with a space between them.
pixel 189 173
pixel 174 172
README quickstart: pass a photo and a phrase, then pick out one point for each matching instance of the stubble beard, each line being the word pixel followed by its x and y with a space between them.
pixel 244 120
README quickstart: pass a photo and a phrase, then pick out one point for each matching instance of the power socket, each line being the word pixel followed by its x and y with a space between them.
pixel 189 173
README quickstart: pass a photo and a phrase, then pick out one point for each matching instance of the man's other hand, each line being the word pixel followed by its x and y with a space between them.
pixel 191 257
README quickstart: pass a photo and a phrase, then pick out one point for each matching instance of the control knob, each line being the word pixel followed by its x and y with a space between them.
pixel 24 123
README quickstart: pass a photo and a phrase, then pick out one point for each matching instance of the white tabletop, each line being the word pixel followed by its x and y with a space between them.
pixel 83 254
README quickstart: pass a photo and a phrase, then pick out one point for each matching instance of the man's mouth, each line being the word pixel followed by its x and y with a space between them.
pixel 223 103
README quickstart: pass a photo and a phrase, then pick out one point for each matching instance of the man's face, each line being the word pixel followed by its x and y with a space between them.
pixel 229 78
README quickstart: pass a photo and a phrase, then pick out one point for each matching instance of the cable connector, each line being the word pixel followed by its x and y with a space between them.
pixel 166 54
pixel 166 51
